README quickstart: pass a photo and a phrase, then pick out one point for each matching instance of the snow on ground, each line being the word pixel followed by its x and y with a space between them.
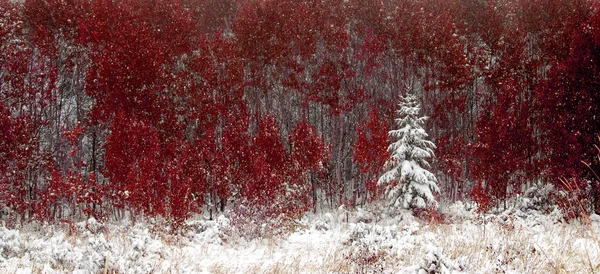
pixel 338 242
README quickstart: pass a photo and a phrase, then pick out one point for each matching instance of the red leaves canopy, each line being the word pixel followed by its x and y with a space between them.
pixel 370 149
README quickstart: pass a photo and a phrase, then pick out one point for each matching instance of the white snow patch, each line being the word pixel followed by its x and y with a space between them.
pixel 372 241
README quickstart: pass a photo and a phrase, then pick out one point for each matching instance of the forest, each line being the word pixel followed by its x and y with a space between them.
pixel 271 108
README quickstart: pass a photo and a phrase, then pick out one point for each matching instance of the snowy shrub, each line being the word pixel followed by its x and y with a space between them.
pixel 369 246
pixel 365 260
pixel 261 221
pixel 323 222
pixel 539 198
pixel 363 216
pixel 320 225
pixel 248 222
pixel 371 236
pixel 430 214
pixel 437 262
pixel 142 252
pixel 92 225
pixel 9 243
pixel 461 210
pixel 212 232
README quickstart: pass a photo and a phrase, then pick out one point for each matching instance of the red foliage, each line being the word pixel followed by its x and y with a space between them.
pixel 370 149
pixel 69 189
pixel 308 152
pixel 234 167
pixel 133 165
pixel 272 30
pixel 505 146
pixel 450 151
pixel 372 52
pixel 480 196
pixel 17 154
pixel 308 155
pixel 570 102
pixel 122 36
pixel 269 163
pixel 171 95
pixel 27 79
pixel 186 185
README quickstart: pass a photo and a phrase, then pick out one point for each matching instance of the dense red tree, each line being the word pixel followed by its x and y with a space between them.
pixel 371 148
pixel 269 163
pixel 28 78
pixel 503 144
pixel 308 153
pixel 371 145
pixel 181 106
pixel 133 164
pixel 570 103
pixel 17 148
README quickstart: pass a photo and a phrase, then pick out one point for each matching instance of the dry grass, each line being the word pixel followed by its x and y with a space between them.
pixel 499 245
pixel 562 248
pixel 566 248
pixel 336 261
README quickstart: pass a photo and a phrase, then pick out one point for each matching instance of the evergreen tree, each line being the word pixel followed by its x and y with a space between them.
pixel 409 183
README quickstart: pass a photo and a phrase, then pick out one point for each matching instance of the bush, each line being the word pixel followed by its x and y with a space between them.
pixel 540 197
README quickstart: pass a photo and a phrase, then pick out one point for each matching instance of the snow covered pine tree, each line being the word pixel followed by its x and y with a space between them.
pixel 408 182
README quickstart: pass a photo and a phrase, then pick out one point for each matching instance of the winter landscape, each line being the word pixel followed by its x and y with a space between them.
pixel 513 241
pixel 299 136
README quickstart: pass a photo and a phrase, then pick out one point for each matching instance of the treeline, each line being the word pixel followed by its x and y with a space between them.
pixel 171 107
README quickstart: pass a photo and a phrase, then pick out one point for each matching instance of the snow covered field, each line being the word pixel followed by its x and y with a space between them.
pixel 509 242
